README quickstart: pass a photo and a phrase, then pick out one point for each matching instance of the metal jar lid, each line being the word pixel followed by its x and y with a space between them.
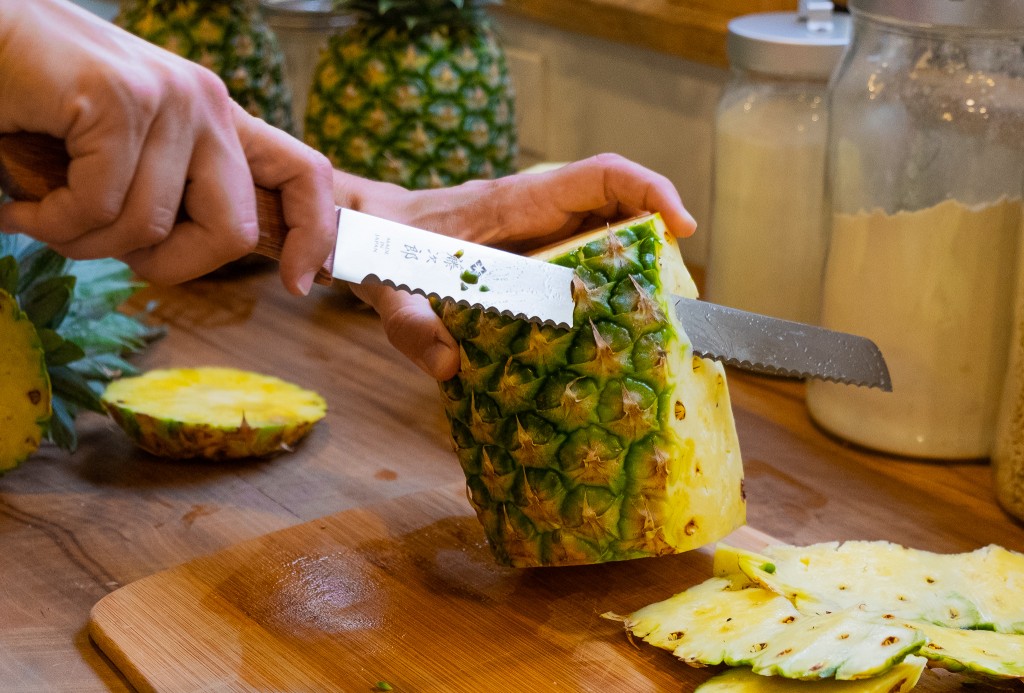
pixel 985 15
pixel 304 14
pixel 780 43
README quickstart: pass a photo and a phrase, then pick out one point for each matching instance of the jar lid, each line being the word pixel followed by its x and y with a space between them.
pixel 304 14
pixel 780 43
pixel 993 15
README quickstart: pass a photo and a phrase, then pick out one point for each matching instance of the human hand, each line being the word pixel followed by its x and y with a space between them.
pixel 516 212
pixel 149 132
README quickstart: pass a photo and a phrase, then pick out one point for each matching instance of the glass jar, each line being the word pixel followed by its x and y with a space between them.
pixel 767 241
pixel 925 177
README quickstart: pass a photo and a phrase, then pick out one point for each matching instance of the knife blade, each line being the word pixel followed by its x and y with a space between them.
pixel 772 346
pixel 374 249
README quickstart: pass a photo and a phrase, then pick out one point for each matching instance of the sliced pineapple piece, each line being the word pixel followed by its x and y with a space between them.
pixel 981 589
pixel 608 441
pixel 24 385
pixel 214 413
pixel 900 679
pixel 714 623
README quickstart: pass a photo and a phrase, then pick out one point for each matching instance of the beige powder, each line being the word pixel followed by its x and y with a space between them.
pixel 933 288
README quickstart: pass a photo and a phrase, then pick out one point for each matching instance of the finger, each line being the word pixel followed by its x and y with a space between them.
pixel 610 181
pixel 221 206
pixel 104 145
pixel 153 200
pixel 413 328
pixel 304 178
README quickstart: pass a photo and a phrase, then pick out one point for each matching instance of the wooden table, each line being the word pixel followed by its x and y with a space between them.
pixel 75 527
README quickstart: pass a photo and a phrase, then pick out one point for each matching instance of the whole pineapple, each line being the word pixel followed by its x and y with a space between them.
pixel 62 340
pixel 603 442
pixel 415 92
pixel 230 37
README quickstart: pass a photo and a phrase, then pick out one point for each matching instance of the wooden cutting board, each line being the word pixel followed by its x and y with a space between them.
pixel 406 593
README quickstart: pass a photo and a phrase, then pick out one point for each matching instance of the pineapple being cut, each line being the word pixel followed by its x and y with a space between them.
pixel 212 413
pixel 900 679
pixel 607 441
pixel 24 385
pixel 414 92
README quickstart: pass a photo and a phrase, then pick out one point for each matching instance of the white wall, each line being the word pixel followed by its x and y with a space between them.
pixel 578 95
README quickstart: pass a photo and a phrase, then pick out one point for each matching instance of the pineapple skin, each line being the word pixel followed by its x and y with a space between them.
pixel 427 110
pixel 25 398
pixel 229 37
pixel 212 413
pixel 608 441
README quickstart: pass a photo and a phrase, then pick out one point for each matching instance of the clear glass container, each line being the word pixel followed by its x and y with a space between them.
pixel 925 178
pixel 767 239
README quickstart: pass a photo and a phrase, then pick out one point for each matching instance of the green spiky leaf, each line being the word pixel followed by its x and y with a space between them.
pixel 47 302
pixel 8 274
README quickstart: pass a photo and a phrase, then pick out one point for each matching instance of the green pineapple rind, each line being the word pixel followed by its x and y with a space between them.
pixel 715 623
pixel 73 306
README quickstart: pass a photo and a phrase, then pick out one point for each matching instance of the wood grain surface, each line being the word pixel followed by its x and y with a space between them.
pixel 76 527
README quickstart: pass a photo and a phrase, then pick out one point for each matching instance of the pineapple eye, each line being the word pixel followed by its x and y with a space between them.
pixel 680 411
pixel 789 619
pixel 891 640
pixel 691 528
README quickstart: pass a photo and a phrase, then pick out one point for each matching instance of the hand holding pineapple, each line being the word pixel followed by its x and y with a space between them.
pixel 147 130
pixel 517 212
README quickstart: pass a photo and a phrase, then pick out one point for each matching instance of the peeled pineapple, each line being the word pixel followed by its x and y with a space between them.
pixel 24 385
pixel 604 442
pixel 213 413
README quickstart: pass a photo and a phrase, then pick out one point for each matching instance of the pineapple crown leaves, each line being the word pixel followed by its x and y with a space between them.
pixel 418 17
pixel 74 308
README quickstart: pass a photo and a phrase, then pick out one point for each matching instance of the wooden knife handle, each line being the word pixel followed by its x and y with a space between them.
pixel 32 165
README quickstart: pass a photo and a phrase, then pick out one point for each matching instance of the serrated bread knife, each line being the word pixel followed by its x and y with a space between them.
pixel 373 249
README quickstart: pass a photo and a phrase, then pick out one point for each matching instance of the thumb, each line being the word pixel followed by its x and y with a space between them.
pixel 413 328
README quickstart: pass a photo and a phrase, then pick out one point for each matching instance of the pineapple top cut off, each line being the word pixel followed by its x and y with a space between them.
pixel 607 441
pixel 214 413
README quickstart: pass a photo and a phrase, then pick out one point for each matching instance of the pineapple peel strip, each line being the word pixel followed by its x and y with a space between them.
pixel 716 623
pixel 899 679
pixel 966 605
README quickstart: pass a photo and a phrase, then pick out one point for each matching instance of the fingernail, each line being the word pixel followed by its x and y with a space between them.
pixel 306 282
pixel 438 360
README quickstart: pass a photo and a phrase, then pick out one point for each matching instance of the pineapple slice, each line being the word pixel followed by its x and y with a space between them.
pixel 24 385
pixel 900 679
pixel 983 589
pixel 214 413
pixel 608 441
pixel 714 623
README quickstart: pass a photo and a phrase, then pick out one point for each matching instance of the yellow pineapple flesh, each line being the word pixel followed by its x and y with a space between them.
pixel 24 385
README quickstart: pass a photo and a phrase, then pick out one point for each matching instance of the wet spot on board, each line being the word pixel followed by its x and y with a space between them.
pixel 196 512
